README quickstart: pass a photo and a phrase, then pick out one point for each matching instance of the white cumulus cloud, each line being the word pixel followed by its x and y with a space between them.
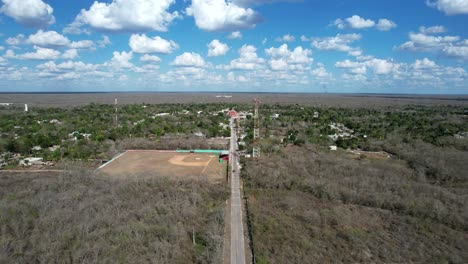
pixel 39 54
pixel 82 44
pixel 432 30
pixel 104 42
pixel 450 7
pixel 126 16
pixel 48 39
pixel 424 64
pixel 284 59
pixel 31 13
pixel 248 59
pixel 385 24
pixel 378 66
pixel 121 60
pixel 450 46
pixel 15 41
pixel 320 72
pixel 217 48
pixel 189 59
pixel 456 51
pixel 286 38
pixel 221 15
pixel 357 22
pixel 338 43
pixel 150 58
pixel 70 54
pixel 144 44
pixel 235 35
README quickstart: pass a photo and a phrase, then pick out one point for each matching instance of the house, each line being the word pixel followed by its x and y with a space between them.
pixel 74 135
pixel 274 116
pixel 243 115
pixel 31 161
pixel 461 135
pixel 316 114
pixel 334 148
pixel 161 114
pixel 54 148
pixel 224 126
pixel 233 113
pixel 342 131
pixel 36 148
pixel 54 121
pixel 198 134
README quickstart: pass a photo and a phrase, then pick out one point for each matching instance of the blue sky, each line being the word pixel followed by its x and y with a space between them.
pixel 364 46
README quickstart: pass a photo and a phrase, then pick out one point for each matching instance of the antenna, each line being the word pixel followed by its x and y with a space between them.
pixel 116 112
pixel 324 87
pixel 256 147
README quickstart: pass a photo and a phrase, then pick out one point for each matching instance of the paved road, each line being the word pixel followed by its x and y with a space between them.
pixel 237 228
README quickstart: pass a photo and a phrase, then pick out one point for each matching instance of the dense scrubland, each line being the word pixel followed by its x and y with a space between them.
pixel 76 217
pixel 308 204
pixel 186 98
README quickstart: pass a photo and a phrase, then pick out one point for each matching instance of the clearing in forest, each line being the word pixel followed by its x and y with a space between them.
pixel 143 163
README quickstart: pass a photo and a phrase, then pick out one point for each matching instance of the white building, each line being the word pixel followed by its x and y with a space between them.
pixel 31 161
pixel 161 114
pixel 198 134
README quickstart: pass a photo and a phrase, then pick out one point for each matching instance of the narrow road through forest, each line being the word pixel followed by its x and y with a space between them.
pixel 237 228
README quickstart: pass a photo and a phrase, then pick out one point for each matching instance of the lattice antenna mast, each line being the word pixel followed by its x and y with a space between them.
pixel 256 147
pixel 116 112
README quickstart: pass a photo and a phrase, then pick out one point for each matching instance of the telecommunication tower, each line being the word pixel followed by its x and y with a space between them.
pixel 116 112
pixel 256 147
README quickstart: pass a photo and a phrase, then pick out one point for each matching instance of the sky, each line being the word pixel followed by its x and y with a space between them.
pixel 334 46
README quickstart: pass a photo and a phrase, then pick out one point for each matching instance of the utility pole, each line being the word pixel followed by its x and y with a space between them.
pixel 256 147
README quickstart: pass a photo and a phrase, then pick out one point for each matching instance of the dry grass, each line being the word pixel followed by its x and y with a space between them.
pixel 78 217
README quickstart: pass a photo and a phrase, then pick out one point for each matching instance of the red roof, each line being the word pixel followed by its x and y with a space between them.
pixel 232 113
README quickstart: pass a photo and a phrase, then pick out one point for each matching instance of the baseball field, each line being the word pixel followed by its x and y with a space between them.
pixel 148 163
